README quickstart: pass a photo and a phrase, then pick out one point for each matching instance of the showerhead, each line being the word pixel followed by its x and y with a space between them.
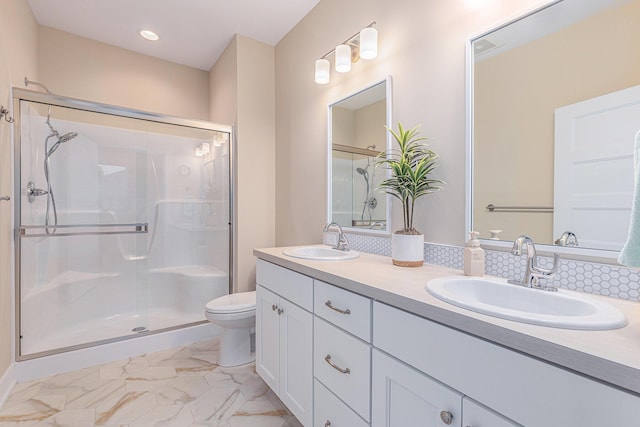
pixel 362 172
pixel 61 139
pixel 67 136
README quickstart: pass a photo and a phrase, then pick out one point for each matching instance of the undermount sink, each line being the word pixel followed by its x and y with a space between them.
pixel 320 253
pixel 496 297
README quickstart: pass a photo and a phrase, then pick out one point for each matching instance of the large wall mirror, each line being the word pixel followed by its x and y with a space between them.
pixel 357 134
pixel 555 106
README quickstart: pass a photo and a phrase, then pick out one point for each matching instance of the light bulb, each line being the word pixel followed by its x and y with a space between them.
pixel 322 71
pixel 343 58
pixel 368 43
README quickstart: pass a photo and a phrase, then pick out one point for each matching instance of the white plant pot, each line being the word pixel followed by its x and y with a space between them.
pixel 407 250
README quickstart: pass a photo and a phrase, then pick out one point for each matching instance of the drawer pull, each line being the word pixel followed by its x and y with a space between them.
pixel 327 424
pixel 274 307
pixel 328 304
pixel 446 417
pixel 327 359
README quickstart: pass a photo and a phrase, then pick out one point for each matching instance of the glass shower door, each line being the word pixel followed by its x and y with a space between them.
pixel 84 229
pixel 123 226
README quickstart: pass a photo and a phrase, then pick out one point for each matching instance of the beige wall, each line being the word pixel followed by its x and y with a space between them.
pixel 369 126
pixel 517 121
pixel 82 68
pixel 422 45
pixel 242 81
pixel 18 48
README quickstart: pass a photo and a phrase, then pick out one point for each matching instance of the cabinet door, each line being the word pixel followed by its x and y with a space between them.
pixel 476 415
pixel 296 374
pixel 404 397
pixel 267 337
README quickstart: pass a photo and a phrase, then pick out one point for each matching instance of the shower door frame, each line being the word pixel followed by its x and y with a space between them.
pixel 20 94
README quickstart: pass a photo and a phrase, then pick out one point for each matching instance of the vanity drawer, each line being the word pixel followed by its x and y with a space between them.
pixel 295 287
pixel 328 410
pixel 343 364
pixel 346 310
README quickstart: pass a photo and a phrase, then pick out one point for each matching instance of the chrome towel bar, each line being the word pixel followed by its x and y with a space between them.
pixel 538 209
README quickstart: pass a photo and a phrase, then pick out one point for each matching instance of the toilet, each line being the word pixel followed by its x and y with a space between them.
pixel 236 315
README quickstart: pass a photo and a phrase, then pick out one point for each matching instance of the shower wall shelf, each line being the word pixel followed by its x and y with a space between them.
pixel 135 228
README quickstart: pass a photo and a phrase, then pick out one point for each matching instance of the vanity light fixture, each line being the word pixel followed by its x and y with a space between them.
pixel 360 45
pixel 148 35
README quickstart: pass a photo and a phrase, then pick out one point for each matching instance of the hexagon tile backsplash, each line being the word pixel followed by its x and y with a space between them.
pixel 604 279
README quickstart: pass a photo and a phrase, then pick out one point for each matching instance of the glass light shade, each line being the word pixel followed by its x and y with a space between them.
pixel 322 71
pixel 368 43
pixel 343 58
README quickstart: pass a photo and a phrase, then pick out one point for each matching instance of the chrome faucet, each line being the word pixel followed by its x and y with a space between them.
pixel 342 244
pixel 533 273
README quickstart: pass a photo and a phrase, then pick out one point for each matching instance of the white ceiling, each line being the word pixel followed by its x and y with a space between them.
pixel 192 32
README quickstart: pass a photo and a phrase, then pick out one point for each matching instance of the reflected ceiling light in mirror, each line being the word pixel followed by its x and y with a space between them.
pixel 148 35
pixel 203 149
pixel 363 44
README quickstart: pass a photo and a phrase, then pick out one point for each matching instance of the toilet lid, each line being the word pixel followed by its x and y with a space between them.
pixel 234 303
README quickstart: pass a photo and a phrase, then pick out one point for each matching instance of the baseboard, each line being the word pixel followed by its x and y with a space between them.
pixel 69 361
pixel 7 381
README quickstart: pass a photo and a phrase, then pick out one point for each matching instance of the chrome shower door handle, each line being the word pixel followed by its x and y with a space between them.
pixel 5 198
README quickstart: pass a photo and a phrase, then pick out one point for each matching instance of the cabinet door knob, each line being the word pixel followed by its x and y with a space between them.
pixel 274 307
pixel 446 417
pixel 328 304
pixel 327 424
pixel 327 359
pixel 280 311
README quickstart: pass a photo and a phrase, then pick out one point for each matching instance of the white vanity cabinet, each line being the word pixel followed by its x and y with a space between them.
pixel 359 362
pixel 405 397
pixel 284 337
pixel 523 389
pixel 476 415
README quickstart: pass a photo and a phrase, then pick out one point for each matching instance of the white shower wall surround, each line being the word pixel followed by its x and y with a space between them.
pixel 604 279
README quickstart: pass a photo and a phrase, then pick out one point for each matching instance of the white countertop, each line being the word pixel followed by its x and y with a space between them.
pixel 611 356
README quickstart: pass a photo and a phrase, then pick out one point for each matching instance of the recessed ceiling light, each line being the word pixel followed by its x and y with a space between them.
pixel 148 35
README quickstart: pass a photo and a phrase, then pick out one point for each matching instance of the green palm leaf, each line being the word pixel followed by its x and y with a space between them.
pixel 410 166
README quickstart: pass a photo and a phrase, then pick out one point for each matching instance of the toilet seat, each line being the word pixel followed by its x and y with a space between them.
pixel 241 302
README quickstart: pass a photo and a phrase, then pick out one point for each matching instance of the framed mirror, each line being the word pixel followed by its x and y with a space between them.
pixel 554 106
pixel 357 135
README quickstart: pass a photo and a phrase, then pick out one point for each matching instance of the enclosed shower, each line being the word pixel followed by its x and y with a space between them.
pixel 123 224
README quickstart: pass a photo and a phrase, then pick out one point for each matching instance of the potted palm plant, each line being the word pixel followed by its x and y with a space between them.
pixel 410 166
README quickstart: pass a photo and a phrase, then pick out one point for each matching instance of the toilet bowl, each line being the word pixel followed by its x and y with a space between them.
pixel 236 315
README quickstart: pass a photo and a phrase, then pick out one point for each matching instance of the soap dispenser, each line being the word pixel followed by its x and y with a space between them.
pixel 473 256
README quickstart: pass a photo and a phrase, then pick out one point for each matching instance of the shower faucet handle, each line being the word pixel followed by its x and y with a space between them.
pixel 33 192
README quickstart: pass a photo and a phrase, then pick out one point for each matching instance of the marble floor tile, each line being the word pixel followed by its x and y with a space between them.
pixel 178 387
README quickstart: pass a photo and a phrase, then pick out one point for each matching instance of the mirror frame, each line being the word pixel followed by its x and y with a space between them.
pixel 389 123
pixel 574 253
